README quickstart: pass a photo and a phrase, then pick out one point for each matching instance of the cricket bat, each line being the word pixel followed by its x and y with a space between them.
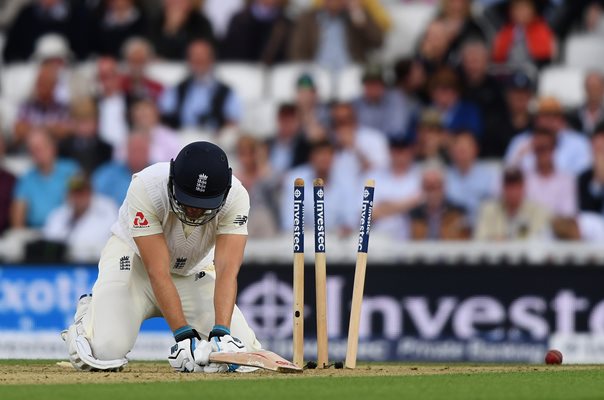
pixel 262 359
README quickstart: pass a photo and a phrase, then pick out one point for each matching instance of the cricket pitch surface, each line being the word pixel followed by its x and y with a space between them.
pixel 22 379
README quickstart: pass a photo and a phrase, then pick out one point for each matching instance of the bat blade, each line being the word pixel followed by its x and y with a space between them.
pixel 261 359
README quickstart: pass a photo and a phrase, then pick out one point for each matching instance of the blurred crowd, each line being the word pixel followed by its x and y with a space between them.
pixel 460 145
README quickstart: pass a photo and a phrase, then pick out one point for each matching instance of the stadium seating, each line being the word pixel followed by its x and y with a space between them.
pixel 585 51
pixel 348 84
pixel 17 164
pixel 12 245
pixel 565 83
pixel 167 73
pixel 17 81
pixel 259 118
pixel 408 23
pixel 192 135
pixel 8 115
pixel 248 80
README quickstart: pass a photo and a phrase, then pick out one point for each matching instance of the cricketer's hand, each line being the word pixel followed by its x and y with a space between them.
pixel 220 340
pixel 182 353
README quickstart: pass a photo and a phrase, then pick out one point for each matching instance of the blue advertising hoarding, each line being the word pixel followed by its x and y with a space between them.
pixel 44 297
pixel 427 313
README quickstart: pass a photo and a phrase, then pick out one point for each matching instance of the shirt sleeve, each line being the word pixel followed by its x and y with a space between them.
pixel 167 101
pixel 512 158
pixel 234 221
pixel 21 188
pixel 142 217
pixel 56 226
pixel 233 108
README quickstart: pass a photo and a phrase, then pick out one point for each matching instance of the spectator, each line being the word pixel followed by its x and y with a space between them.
pixel 593 17
pixel 112 179
pixel 137 53
pixel 526 38
pixel 380 108
pixel 341 214
pixel 485 91
pixel 513 217
pixel 359 148
pixel 436 217
pixel 289 147
pixel 587 227
pixel 112 104
pixel 83 144
pixel 572 153
pixel 66 18
pixel 410 83
pixel 9 11
pixel 591 182
pixel 200 100
pixel 258 33
pixel 42 110
pixel 432 140
pixel 52 51
pixel 116 21
pixel 314 114
pixel 469 183
pixel 433 48
pixel 7 186
pixel 547 187
pixel 335 35
pixel 82 223
pixel 43 188
pixel 519 94
pixel 164 142
pixel 376 9
pixel 399 191
pixel 445 92
pixel 461 25
pixel 255 174
pixel 584 16
pixel 457 114
pixel 591 113
pixel 177 27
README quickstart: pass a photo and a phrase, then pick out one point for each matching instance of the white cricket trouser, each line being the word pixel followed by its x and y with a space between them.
pixel 122 298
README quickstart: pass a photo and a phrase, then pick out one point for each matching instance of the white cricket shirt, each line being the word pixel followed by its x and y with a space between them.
pixel 146 211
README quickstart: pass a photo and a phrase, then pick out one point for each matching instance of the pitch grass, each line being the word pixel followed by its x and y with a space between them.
pixel 375 382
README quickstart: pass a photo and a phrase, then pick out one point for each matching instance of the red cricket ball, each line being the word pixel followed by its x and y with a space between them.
pixel 553 357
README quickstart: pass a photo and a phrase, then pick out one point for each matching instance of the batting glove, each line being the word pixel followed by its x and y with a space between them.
pixel 219 340
pixel 182 353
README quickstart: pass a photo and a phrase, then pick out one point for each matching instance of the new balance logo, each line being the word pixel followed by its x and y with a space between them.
pixel 125 263
pixel 180 263
pixel 202 182
pixel 240 220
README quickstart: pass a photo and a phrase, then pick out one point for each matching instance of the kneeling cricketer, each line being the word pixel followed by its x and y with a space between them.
pixel 174 214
